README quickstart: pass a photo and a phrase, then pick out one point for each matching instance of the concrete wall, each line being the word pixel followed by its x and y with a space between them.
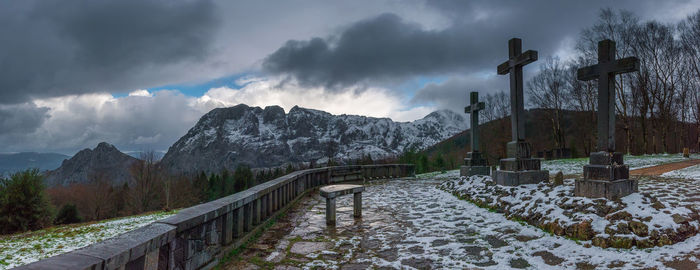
pixel 196 237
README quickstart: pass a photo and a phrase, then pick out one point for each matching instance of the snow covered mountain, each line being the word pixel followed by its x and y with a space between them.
pixel 226 137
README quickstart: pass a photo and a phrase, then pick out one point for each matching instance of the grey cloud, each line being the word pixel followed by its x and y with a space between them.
pixel 21 118
pixel 453 94
pixel 50 48
pixel 131 123
pixel 388 47
pixel 383 47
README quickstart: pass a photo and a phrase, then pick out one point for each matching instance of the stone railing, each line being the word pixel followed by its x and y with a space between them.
pixel 197 237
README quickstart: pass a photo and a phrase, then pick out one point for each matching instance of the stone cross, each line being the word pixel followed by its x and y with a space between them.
pixel 605 71
pixel 473 109
pixel 514 66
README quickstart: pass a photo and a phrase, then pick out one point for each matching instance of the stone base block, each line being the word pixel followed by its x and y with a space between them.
pixel 606 172
pixel 520 164
pixel 611 190
pixel 474 159
pixel 474 170
pixel 518 149
pixel 516 178
pixel 606 158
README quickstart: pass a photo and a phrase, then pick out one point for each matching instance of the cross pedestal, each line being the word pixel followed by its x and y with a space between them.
pixel 606 176
pixel 519 168
pixel 474 164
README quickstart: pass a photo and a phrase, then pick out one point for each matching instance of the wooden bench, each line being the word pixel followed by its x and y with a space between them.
pixel 333 191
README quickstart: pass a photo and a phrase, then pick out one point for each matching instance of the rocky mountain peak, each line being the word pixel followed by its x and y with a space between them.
pixel 226 137
pixel 105 159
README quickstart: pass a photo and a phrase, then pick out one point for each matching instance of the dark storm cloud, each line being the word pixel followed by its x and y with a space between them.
pixel 453 94
pixel 383 47
pixel 388 47
pixel 21 118
pixel 53 48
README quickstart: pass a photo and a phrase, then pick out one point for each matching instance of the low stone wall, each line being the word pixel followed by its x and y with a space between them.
pixel 198 236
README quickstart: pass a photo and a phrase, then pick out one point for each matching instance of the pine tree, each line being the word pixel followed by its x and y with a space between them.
pixel 24 204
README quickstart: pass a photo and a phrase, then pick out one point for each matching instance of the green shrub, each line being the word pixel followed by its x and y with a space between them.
pixel 24 204
pixel 68 214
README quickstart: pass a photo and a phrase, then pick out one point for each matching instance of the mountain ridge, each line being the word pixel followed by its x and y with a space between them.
pixel 105 160
pixel 226 137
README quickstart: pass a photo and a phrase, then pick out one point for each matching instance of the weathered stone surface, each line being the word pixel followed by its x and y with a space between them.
pixel 611 190
pixel 515 178
pixel 518 149
pixel 333 191
pixel 305 248
pixel 474 159
pixel 606 158
pixel 118 251
pixel 69 260
pixel 520 164
pixel 474 170
pixel 558 179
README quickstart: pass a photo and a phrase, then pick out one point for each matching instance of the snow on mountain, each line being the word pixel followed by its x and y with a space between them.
pixel 226 137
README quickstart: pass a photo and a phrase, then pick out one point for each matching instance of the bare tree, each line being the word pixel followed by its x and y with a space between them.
pixel 547 91
pixel 660 58
pixel 582 97
pixel 620 27
pixel 145 185
pixel 689 34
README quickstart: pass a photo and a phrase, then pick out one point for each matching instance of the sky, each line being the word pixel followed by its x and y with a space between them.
pixel 140 73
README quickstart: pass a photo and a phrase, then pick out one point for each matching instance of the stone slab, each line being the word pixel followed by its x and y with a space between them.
pixel 606 158
pixel 69 260
pixel 474 170
pixel 516 178
pixel 520 164
pixel 606 172
pixel 611 190
pixel 518 149
pixel 333 191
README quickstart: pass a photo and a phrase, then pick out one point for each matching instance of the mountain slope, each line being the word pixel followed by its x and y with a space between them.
pixel 105 160
pixel 10 163
pixel 226 137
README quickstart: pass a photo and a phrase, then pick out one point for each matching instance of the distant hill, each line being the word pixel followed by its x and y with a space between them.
pixel 10 163
pixel 105 160
pixel 226 137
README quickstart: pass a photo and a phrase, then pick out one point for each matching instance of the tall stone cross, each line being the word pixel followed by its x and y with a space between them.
pixel 605 71
pixel 519 168
pixel 473 109
pixel 514 67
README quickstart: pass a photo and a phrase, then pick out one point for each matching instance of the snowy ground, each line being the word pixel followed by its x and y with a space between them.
pixel 653 216
pixel 412 224
pixel 575 165
pixel 692 172
pixel 20 249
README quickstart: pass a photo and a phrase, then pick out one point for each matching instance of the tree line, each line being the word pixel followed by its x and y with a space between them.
pixel 658 107
pixel 27 204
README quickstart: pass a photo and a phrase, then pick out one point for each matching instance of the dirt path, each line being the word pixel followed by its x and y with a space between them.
pixel 663 168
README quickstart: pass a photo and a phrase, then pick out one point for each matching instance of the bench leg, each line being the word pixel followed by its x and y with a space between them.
pixel 330 211
pixel 357 204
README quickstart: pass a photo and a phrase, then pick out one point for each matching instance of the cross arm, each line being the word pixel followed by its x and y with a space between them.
pixel 620 66
pixel 626 65
pixel 588 73
pixel 522 59
pixel 479 106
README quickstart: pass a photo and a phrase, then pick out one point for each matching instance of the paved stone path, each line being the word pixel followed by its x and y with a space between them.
pixel 411 224
pixel 663 168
